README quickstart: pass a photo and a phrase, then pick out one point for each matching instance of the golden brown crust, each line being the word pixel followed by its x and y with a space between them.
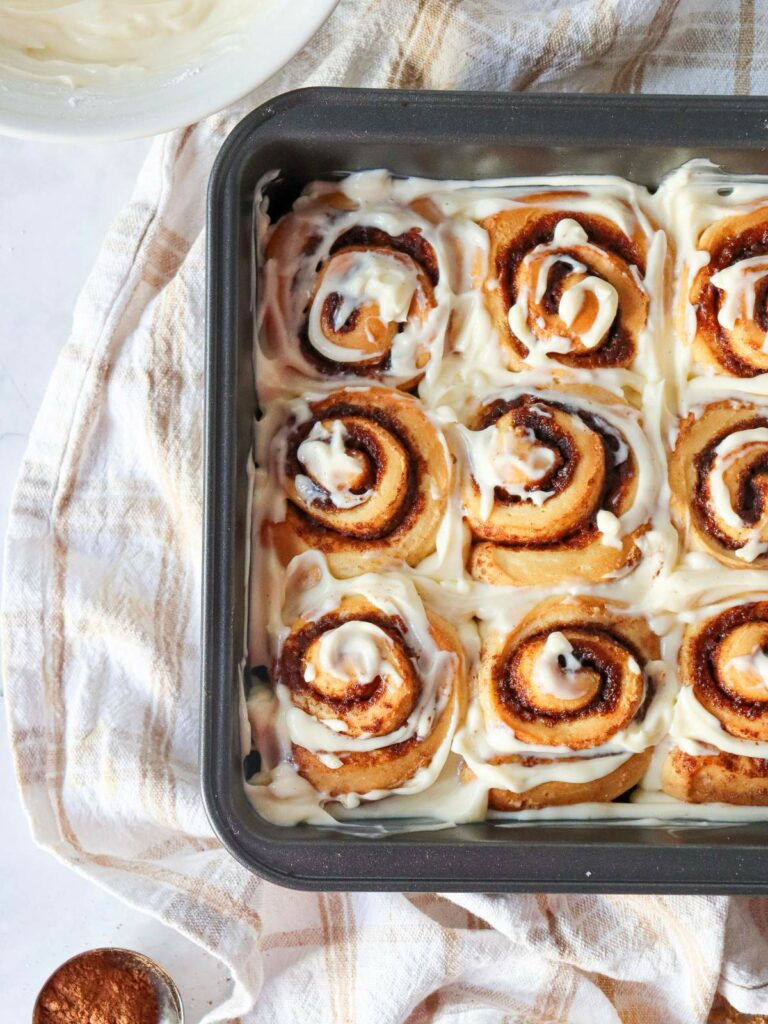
pixel 691 466
pixel 406 471
pixel 716 778
pixel 516 233
pixel 559 794
pixel 521 543
pixel 378 712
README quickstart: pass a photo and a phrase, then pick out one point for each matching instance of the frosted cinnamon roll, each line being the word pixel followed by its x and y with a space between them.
pixel 570 702
pixel 557 485
pixel 572 277
pixel 720 725
pixel 718 475
pixel 371 683
pixel 729 295
pixel 361 475
pixel 721 224
pixel 354 289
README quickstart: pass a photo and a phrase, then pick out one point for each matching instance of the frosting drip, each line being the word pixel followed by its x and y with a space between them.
pixel 557 672
pixel 734 456
pixel 511 459
pixel 740 284
pixel 572 282
pixel 334 471
pixel 356 652
pixel 370 291
pixel 555 485
pixel 751 673
pixel 587 303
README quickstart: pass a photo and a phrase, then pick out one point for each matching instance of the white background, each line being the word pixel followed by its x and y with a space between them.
pixel 56 203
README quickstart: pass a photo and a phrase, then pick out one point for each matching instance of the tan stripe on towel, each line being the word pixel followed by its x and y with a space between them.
pixel 742 83
pixel 422 43
pixel 629 77
pixel 164 257
pixel 553 47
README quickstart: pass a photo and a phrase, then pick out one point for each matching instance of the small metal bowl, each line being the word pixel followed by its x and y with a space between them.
pixel 171 1010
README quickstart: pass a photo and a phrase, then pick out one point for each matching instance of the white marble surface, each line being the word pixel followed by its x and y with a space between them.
pixel 56 203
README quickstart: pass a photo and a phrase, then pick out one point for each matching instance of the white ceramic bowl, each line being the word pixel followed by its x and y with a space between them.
pixel 134 107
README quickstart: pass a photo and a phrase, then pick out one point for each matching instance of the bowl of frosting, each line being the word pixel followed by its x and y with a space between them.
pixel 108 69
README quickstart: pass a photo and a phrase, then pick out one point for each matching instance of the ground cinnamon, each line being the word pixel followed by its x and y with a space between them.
pixel 102 987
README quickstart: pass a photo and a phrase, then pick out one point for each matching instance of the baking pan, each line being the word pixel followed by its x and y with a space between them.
pixel 311 134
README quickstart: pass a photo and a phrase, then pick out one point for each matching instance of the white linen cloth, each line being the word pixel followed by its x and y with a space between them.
pixel 102 589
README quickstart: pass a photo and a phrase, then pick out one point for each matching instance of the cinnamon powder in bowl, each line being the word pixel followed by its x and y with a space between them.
pixel 109 986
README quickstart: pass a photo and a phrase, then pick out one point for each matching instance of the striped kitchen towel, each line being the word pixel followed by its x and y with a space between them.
pixel 101 627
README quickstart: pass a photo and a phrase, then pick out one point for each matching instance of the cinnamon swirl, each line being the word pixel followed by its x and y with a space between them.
pixel 570 702
pixel 363 476
pixel 569 277
pixel 718 476
pixel 722 305
pixel 557 486
pixel 372 683
pixel 353 289
pixel 720 725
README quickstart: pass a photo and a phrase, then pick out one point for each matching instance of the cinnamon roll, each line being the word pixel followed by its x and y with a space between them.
pixel 570 702
pixel 729 296
pixel 371 681
pixel 722 305
pixel 354 289
pixel 571 277
pixel 720 725
pixel 363 476
pixel 557 485
pixel 718 475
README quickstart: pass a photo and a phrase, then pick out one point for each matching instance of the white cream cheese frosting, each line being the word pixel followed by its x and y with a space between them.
pixel 332 469
pixel 508 460
pixel 557 671
pixel 84 41
pixel 739 283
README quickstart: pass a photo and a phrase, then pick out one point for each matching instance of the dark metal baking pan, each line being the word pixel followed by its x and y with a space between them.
pixel 311 134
